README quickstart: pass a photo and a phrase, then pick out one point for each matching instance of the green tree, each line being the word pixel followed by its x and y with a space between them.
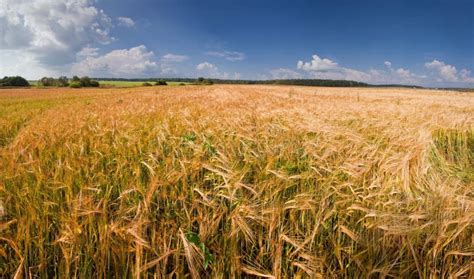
pixel 47 81
pixel 85 81
pixel 63 81
pixel 75 84
pixel 16 81
pixel 94 83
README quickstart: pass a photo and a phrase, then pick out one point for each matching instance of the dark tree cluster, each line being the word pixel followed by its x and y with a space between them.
pixel 77 82
pixel 161 82
pixel 15 81
pixel 204 81
pixel 62 81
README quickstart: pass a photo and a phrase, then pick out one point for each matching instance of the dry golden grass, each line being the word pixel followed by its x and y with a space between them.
pixel 236 181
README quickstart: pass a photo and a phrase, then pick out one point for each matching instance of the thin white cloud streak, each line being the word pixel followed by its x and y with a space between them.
pixel 174 58
pixel 228 55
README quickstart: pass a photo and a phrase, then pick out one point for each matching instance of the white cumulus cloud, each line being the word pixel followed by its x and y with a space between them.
pixel 445 72
pixel 324 68
pixel 317 64
pixel 53 30
pixel 125 21
pixel 133 62
pixel 465 75
pixel 206 66
pixel 212 71
pixel 17 62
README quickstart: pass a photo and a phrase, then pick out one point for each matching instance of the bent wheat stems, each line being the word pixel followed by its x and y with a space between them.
pixel 240 181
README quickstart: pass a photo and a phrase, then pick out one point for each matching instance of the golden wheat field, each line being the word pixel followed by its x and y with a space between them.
pixel 230 181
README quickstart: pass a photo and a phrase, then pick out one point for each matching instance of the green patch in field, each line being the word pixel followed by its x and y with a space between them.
pixel 34 82
pixel 341 176
pixel 189 137
pixel 209 148
pixel 293 167
pixel 207 256
pixel 453 153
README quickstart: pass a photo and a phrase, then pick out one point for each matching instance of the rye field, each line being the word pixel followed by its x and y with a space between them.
pixel 231 181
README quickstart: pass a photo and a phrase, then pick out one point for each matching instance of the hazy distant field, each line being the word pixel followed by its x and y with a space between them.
pixel 269 181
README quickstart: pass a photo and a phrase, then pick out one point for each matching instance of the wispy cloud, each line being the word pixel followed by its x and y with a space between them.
pixel 174 58
pixel 283 73
pixel 228 55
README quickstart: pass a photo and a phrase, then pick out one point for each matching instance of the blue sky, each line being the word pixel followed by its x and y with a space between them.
pixel 420 42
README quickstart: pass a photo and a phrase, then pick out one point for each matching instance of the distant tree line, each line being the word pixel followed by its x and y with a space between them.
pixel 63 81
pixel 303 82
pixel 15 81
pixel 160 81
pixel 204 81
pixel 458 89
pixel 77 82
